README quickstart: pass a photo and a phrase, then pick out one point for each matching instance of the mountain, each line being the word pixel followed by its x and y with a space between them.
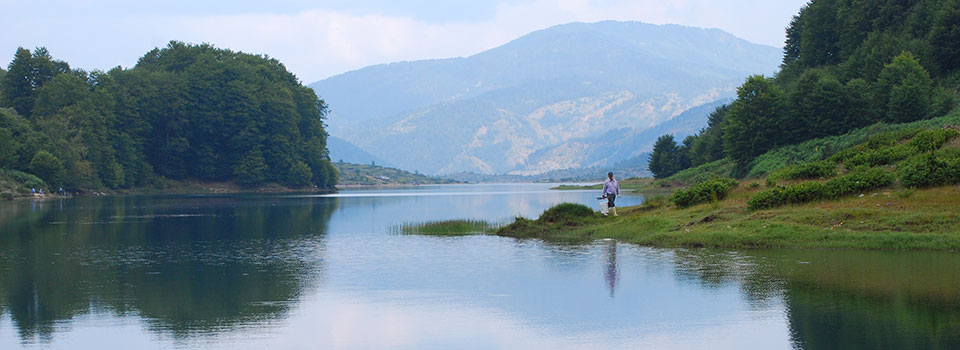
pixel 488 113
pixel 617 145
pixel 343 151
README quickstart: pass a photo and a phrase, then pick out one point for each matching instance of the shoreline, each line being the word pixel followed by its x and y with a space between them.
pixel 891 219
pixel 189 188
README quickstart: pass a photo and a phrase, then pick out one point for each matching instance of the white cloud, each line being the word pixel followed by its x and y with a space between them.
pixel 317 43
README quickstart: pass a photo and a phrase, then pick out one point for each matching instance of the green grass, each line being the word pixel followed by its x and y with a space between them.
pixel 458 227
pixel 925 220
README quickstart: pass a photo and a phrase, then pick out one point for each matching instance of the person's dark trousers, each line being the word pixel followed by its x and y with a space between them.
pixel 610 199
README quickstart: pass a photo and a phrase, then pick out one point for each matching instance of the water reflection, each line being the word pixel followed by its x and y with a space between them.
pixel 185 265
pixel 610 272
pixel 251 272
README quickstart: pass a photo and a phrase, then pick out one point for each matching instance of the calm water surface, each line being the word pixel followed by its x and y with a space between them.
pixel 288 271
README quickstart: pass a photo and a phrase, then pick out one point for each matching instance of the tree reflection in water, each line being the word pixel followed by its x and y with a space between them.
pixel 186 265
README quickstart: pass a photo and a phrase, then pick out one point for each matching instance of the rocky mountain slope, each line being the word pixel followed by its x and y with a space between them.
pixel 493 111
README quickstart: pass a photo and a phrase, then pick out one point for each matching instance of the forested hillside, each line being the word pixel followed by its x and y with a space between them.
pixel 184 112
pixel 847 64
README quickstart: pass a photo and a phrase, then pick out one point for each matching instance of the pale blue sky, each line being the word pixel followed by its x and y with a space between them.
pixel 317 39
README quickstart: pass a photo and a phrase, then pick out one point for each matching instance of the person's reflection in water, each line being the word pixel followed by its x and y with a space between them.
pixel 610 273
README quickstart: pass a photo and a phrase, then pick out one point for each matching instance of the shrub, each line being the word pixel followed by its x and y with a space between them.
pixel 809 170
pixel 566 212
pixel 706 191
pixel 856 181
pixel 931 169
pixel 933 139
pixel 859 181
pixel 6 196
pixel 882 156
pixel 781 195
pixel 769 198
pixel 754 184
pixel 874 143
pixel 46 166
pixel 771 182
pixel 28 181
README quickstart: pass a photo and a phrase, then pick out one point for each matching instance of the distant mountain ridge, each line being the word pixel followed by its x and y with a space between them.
pixel 490 112
pixel 343 151
pixel 617 146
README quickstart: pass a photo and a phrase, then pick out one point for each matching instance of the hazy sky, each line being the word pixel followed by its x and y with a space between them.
pixel 317 39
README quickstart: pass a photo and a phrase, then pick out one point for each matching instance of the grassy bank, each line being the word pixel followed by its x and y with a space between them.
pixel 924 219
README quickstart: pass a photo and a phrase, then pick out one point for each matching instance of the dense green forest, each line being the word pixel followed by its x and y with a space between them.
pixel 184 112
pixel 847 64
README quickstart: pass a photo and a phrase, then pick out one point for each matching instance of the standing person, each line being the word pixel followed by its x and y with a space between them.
pixel 611 189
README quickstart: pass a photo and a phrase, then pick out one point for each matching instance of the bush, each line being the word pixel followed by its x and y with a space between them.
pixel 28 181
pixel 882 156
pixel 6 196
pixel 781 195
pixel 931 140
pixel 46 166
pixel 566 212
pixel 859 181
pixel 856 181
pixel 931 169
pixel 809 170
pixel 706 191
pixel 754 184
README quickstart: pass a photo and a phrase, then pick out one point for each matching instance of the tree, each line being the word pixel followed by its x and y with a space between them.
pixel 299 175
pixel 791 47
pixel 819 43
pixel 945 36
pixel 904 88
pixel 756 121
pixel 28 73
pixel 818 106
pixel 665 160
pixel 7 148
pixel 17 87
pixel 252 169
pixel 3 100
pixel 47 167
pixel 859 110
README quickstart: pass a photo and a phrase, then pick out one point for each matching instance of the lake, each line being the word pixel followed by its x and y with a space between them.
pixel 329 271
